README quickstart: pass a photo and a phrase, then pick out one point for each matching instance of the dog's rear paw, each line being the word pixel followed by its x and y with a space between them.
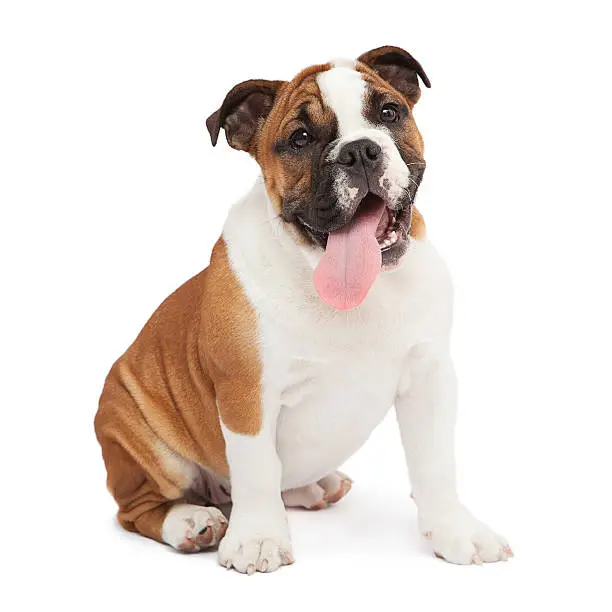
pixel 336 486
pixel 191 528
pixel 319 495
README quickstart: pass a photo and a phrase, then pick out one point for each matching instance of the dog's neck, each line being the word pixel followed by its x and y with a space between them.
pixel 255 230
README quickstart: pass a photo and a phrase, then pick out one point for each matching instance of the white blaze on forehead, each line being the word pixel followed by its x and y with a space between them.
pixel 343 90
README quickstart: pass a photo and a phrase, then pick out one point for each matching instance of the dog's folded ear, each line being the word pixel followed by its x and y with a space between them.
pixel 398 68
pixel 243 112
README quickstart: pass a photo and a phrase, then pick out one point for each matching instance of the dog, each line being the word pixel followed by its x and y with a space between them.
pixel 323 306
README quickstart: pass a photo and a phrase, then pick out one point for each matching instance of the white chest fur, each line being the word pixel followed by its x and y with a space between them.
pixel 335 374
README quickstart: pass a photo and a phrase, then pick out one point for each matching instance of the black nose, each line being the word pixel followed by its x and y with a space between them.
pixel 360 152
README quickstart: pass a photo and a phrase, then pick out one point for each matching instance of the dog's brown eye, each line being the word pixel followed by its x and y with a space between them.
pixel 300 138
pixel 389 113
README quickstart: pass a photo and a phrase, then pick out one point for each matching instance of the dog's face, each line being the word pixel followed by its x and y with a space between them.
pixel 336 139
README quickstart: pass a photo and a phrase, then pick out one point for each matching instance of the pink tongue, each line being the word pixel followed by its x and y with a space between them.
pixel 352 259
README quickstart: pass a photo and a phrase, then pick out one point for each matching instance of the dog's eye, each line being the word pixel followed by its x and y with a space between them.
pixel 300 138
pixel 389 113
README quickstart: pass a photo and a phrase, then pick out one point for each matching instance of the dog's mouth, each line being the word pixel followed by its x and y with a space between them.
pixel 374 238
pixel 392 230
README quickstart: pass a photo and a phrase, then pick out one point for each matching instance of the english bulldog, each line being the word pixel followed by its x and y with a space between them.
pixel 323 306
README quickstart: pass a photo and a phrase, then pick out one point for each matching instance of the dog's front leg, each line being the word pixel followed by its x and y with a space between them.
pixel 257 538
pixel 426 410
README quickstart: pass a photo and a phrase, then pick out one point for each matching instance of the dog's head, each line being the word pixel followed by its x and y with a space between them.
pixel 340 153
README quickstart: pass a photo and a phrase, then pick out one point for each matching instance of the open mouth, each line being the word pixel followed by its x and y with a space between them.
pixel 392 228
pixel 388 230
pixel 356 253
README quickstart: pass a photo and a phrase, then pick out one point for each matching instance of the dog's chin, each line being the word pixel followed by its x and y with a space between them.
pixel 392 233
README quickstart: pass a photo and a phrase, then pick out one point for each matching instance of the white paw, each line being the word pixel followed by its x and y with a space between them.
pixel 311 497
pixel 250 550
pixel 336 486
pixel 459 538
pixel 191 528
pixel 318 495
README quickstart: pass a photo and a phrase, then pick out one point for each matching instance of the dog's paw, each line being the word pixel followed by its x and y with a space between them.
pixel 311 497
pixel 250 555
pixel 460 538
pixel 319 495
pixel 250 548
pixel 336 486
pixel 191 528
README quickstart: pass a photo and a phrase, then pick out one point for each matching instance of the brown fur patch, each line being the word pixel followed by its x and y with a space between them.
pixel 417 228
pixel 232 355
pixel 410 136
pixel 300 93
pixel 158 419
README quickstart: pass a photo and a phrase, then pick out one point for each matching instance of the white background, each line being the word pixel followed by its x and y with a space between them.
pixel 112 196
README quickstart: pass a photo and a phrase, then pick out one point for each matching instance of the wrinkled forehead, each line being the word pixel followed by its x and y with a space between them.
pixel 336 91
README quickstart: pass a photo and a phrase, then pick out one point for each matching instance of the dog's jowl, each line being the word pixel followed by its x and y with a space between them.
pixel 324 305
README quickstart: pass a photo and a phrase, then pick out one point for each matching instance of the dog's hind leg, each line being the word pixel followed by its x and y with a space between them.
pixel 145 509
pixel 143 504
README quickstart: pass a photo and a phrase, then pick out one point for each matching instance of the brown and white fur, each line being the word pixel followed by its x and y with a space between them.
pixel 244 386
